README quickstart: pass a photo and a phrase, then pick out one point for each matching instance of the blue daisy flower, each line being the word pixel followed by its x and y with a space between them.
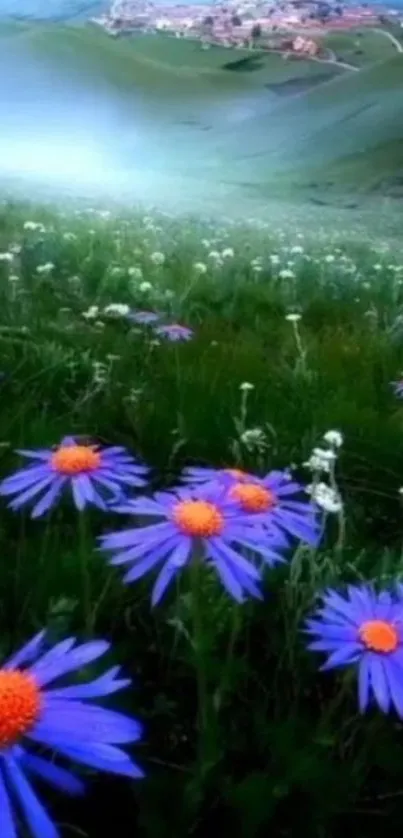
pixel 82 468
pixel 363 628
pixel 188 523
pixel 272 497
pixel 34 711
pixel 174 332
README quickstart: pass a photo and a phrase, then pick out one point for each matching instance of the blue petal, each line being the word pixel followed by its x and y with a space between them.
pixel 7 824
pixel 46 671
pixel 23 479
pixel 28 652
pixel 379 682
pixel 105 685
pixel 81 491
pixel 34 490
pixel 74 720
pixel 157 554
pixel 229 580
pixel 155 546
pixel 364 683
pixel 346 654
pixel 163 580
pixel 227 554
pixel 38 821
pixel 40 454
pixel 140 568
pixel 53 654
pixel 395 682
pixel 103 757
pixel 138 537
pixel 49 497
pixel 334 602
pixel 53 774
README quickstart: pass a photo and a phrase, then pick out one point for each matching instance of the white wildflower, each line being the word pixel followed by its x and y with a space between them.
pixel 117 310
pixel 333 438
pixel 135 272
pixel 330 258
pixel 6 257
pixel 320 460
pixel 274 259
pixel 254 438
pixel 227 253
pixel 246 385
pixel 91 313
pixel 144 287
pixel 34 226
pixel 47 268
pixel 200 268
pixel 326 497
pixel 293 317
pixel 157 258
pixel 286 273
pixel 297 249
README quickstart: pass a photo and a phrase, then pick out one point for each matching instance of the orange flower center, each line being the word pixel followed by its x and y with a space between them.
pixel 252 497
pixel 20 705
pixel 198 518
pixel 75 459
pixel 379 636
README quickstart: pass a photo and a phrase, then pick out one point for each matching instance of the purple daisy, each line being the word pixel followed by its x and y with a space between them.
pixel 83 468
pixel 36 712
pixel 174 332
pixel 271 497
pixel 189 523
pixel 144 317
pixel 397 387
pixel 366 629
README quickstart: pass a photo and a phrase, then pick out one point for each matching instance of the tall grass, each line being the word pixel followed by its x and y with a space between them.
pixel 69 367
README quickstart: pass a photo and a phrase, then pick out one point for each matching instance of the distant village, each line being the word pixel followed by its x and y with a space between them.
pixel 291 27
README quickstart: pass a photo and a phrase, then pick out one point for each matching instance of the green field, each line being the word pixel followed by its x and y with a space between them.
pixel 360 48
pixel 251 389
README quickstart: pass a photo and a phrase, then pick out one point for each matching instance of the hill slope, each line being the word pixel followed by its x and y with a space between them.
pixel 342 126
pixel 340 131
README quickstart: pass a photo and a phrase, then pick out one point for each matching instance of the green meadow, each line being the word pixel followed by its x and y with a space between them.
pixel 252 389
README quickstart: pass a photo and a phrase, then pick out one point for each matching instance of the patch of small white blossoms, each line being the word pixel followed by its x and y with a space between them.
pixel 45 269
pixel 157 258
pixel 34 226
pixel 326 497
pixel 117 310
pixel 323 461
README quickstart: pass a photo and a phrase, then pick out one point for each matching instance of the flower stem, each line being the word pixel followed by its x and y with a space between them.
pixel 85 574
pixel 226 672
pixel 199 648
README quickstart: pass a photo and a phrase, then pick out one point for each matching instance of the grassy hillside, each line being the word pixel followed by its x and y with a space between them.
pixel 315 127
pixel 344 122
